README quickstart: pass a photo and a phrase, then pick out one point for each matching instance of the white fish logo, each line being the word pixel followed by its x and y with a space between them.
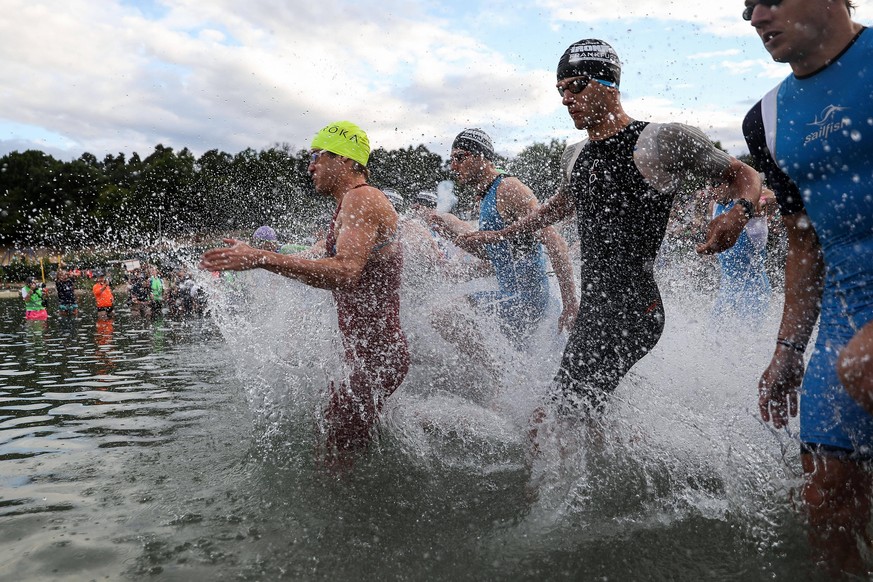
pixel 827 124
pixel 827 115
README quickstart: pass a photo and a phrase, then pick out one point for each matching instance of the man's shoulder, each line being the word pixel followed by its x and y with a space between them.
pixel 670 131
pixel 572 150
pixel 368 199
pixel 368 192
pixel 512 185
pixel 367 206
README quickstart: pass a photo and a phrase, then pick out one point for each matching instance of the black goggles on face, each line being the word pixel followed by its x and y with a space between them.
pixel 747 13
pixel 579 84
pixel 575 86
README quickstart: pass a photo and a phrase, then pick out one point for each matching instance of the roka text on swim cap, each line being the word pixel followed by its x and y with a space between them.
pixel 345 139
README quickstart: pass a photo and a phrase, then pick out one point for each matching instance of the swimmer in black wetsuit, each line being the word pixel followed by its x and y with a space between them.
pixel 621 182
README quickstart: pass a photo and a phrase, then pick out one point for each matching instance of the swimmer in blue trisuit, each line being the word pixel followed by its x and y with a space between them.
pixel 744 288
pixel 621 182
pixel 813 137
pixel 522 296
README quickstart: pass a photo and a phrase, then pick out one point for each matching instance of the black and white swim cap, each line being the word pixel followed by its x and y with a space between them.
pixel 475 141
pixel 426 198
pixel 591 57
pixel 393 197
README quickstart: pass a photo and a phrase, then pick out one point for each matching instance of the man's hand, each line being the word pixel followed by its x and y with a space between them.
pixel 777 390
pixel 723 231
pixel 238 257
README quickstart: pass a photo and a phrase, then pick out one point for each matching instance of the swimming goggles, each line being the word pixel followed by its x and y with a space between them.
pixel 579 84
pixel 747 12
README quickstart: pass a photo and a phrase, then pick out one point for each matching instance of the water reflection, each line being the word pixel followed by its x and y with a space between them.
pixel 155 447
pixel 103 330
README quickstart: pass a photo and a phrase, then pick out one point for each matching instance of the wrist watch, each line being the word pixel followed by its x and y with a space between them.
pixel 748 207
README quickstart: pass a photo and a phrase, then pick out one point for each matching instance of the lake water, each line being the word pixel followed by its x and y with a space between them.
pixel 187 450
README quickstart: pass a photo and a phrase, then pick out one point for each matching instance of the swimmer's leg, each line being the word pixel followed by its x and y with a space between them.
pixel 354 406
pixel 837 496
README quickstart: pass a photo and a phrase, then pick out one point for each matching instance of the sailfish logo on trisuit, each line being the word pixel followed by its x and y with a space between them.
pixel 827 115
pixel 826 123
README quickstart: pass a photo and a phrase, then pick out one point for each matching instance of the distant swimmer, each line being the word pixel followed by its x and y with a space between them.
pixel 520 302
pixel 424 260
pixel 744 287
pixel 813 136
pixel 362 266
pixel 265 238
pixel 621 182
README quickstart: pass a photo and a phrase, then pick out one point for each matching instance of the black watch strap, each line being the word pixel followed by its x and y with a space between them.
pixel 748 207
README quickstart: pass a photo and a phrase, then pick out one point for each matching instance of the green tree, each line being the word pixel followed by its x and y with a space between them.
pixel 539 166
pixel 407 171
pixel 27 188
pixel 160 203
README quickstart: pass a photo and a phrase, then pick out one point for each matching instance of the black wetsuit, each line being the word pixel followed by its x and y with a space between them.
pixel 622 221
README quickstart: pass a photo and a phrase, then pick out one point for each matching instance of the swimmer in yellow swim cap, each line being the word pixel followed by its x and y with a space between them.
pixel 345 139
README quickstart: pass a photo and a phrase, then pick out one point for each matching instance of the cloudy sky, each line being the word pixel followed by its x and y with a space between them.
pixel 109 76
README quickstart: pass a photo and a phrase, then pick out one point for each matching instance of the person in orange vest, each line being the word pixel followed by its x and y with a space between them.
pixel 103 294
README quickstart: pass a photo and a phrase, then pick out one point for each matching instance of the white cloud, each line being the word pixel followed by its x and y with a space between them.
pixel 211 75
pixel 107 76
pixel 719 18
pixel 715 54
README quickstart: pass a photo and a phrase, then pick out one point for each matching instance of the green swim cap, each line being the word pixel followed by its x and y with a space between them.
pixel 345 139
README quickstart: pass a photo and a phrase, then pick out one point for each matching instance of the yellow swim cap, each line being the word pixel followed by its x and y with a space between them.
pixel 345 139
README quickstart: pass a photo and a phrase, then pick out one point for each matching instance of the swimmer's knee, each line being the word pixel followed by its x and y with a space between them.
pixel 855 363
pixel 855 369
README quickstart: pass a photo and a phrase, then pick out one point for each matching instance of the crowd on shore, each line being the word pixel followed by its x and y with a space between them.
pixel 148 293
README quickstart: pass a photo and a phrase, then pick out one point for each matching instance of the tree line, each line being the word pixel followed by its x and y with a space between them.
pixel 131 201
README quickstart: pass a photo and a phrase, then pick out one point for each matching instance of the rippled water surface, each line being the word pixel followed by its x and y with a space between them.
pixel 187 450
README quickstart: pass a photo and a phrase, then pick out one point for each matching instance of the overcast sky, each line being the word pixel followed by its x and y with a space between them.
pixel 109 76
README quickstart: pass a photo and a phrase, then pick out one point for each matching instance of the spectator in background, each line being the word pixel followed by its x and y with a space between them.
pixel 140 292
pixel 156 285
pixel 65 286
pixel 103 296
pixel 33 294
